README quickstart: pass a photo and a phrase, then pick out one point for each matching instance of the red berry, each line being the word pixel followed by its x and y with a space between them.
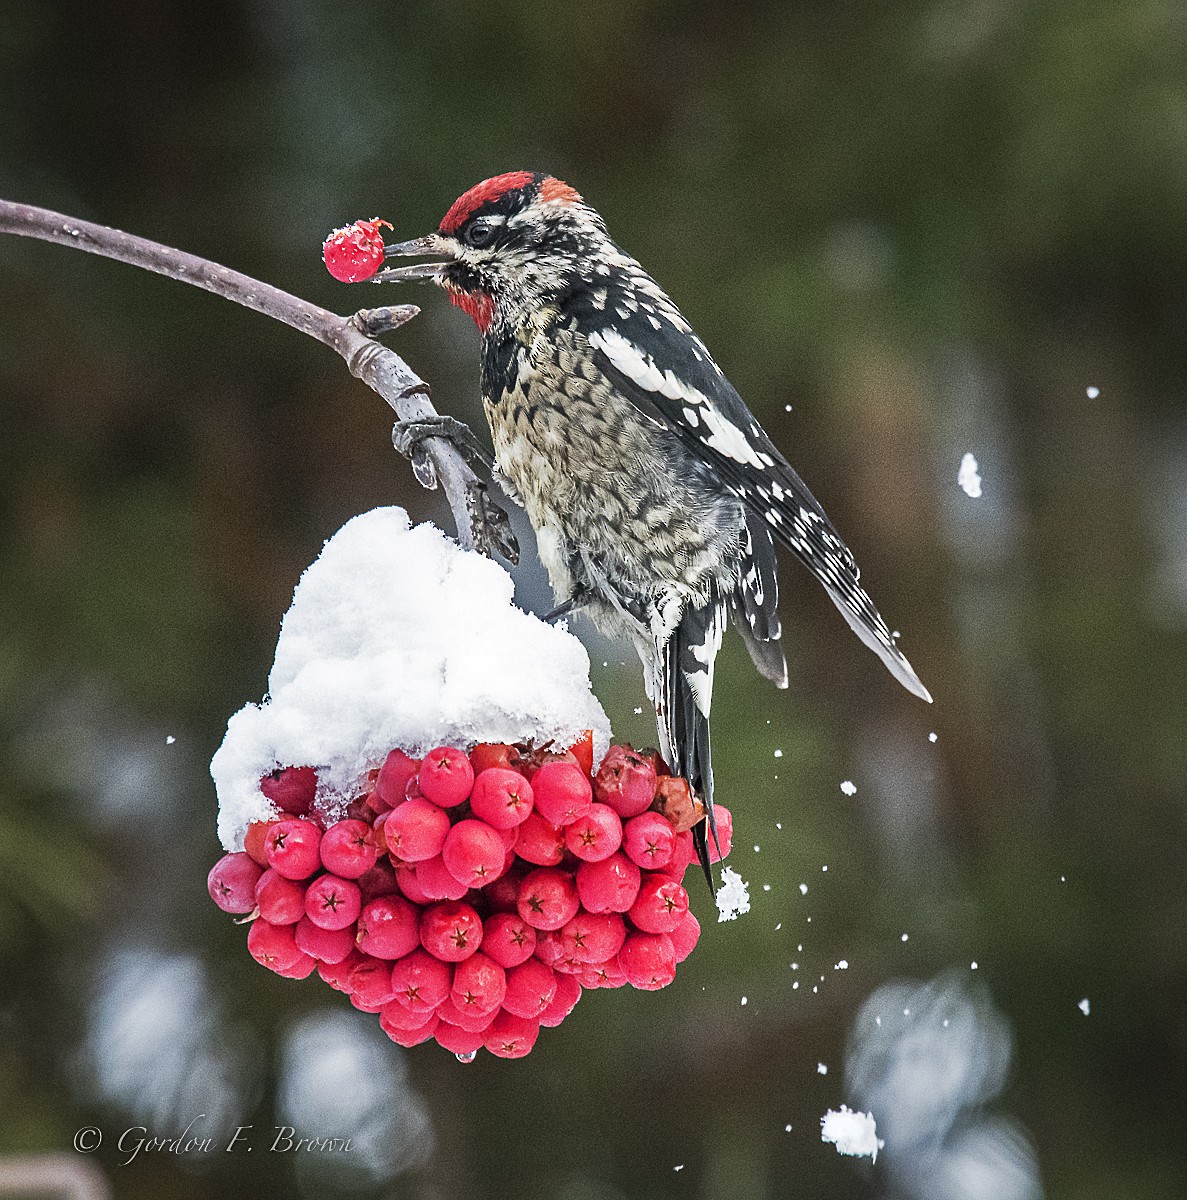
pixel 530 989
pixel 486 755
pixel 389 928
pixel 392 783
pixel 333 903
pixel 348 849
pixel 608 974
pixel 562 793
pixel 450 931
pixel 420 981
pixel 438 882
pixel 510 1036
pixel 568 992
pixel 660 905
pixel 337 975
pixel 474 853
pixel 648 960
pixel 596 835
pixel 649 841
pixel 725 833
pixel 400 1016
pixel 675 802
pixel 445 776
pixel 408 1037
pixel 292 848
pixel 626 781
pixel 254 841
pixel 582 751
pixel 273 946
pixel 548 898
pixel 355 252
pixel 301 969
pixel 508 939
pixel 684 936
pixel 369 982
pixel 472 1022
pixel 593 937
pixel 291 789
pixel 380 880
pixel 550 948
pixel 232 882
pixel 464 1042
pixel 416 830
pixel 326 945
pixel 409 885
pixel 501 797
pixel 540 841
pixel 280 900
pixel 479 984
pixel 503 894
pixel 610 885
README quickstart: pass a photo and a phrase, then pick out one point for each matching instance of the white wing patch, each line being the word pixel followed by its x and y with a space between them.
pixel 721 434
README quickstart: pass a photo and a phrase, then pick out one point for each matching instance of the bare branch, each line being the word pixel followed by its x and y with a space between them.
pixel 481 524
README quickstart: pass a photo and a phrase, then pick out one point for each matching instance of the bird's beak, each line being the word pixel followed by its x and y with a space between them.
pixel 434 272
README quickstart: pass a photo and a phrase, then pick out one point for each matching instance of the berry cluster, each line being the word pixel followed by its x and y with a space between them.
pixel 354 252
pixel 471 898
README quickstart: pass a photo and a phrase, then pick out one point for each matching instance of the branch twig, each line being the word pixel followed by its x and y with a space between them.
pixel 481 523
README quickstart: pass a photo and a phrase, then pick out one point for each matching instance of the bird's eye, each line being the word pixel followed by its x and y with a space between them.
pixel 480 233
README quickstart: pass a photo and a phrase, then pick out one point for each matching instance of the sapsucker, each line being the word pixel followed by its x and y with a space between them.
pixel 656 496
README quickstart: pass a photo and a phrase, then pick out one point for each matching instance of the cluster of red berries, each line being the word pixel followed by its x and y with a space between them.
pixel 355 252
pixel 470 898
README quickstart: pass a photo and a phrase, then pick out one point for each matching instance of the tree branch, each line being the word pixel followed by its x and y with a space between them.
pixel 481 524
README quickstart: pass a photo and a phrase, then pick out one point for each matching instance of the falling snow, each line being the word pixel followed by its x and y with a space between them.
pixel 821 1069
pixel 967 477
pixel 733 898
pixel 854 1133
pixel 1084 1006
pixel 1092 392
pixel 849 787
pixel 931 737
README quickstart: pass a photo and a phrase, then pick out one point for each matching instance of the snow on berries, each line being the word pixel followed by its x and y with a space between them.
pixel 355 252
pixel 397 637
pixel 470 899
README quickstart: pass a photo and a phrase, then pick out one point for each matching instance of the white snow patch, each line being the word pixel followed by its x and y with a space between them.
pixel 853 1133
pixel 398 637
pixel 1084 1006
pixel 732 897
pixel 967 477
pixel 849 787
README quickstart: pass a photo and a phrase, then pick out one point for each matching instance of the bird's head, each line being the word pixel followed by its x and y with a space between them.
pixel 508 245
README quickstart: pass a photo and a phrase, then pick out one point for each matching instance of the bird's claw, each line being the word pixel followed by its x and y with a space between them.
pixel 407 436
pixel 490 526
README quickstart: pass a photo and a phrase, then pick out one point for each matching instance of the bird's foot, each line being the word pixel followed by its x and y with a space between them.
pixel 490 526
pixel 407 436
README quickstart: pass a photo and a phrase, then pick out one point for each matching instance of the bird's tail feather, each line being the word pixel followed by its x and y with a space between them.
pixel 683 698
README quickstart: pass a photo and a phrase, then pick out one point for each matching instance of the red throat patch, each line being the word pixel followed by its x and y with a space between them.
pixel 478 304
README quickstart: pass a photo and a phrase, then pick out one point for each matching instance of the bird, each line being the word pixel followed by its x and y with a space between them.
pixel 656 497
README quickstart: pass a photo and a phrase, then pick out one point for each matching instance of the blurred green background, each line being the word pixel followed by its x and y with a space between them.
pixel 907 230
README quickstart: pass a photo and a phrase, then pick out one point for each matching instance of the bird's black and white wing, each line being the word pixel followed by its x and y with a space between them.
pixel 648 350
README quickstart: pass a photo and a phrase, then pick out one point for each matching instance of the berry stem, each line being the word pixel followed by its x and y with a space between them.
pixel 481 524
